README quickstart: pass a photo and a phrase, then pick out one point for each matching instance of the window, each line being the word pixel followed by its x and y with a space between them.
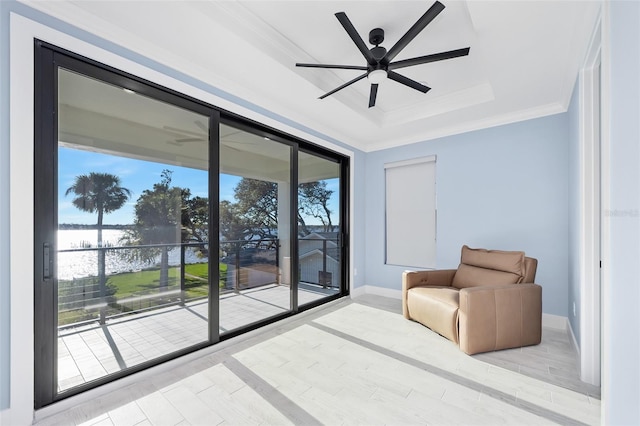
pixel 410 193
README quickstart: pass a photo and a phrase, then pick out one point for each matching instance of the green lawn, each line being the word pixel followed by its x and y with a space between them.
pixel 130 284
pixel 196 277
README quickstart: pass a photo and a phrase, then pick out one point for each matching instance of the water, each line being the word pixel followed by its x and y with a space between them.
pixel 80 264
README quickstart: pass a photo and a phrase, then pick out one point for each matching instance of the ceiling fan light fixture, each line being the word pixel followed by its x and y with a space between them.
pixel 377 76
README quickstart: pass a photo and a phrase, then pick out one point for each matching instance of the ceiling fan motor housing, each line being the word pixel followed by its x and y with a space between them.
pixel 376 36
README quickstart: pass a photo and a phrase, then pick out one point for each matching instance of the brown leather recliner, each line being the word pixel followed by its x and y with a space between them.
pixel 489 303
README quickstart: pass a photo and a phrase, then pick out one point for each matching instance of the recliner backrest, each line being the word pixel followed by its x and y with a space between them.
pixel 530 267
pixel 480 267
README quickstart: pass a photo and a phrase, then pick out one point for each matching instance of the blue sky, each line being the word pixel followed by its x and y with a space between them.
pixel 137 175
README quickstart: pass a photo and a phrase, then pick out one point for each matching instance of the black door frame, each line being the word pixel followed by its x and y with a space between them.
pixel 48 58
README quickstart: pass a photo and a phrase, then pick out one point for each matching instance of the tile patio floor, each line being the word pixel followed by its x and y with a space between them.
pixel 92 351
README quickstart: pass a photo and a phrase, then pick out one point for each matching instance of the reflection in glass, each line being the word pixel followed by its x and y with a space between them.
pixel 132 263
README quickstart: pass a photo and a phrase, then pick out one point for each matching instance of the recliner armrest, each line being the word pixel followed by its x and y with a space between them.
pixel 499 317
pixel 436 277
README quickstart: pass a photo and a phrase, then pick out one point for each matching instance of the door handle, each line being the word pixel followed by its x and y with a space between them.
pixel 46 261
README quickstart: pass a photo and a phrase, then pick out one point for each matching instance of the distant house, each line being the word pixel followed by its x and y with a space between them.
pixel 319 259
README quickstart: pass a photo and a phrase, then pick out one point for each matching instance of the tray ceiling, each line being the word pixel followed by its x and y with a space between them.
pixel 523 63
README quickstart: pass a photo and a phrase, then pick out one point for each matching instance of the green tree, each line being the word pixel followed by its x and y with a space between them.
pixel 101 193
pixel 255 212
pixel 313 200
pixel 258 206
pixel 195 221
pixel 158 221
pixel 234 226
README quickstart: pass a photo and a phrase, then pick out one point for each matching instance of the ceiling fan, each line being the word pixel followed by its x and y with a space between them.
pixel 379 65
pixel 187 135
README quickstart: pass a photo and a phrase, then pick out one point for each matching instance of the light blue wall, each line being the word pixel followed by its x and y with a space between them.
pixel 622 315
pixel 498 188
pixel 574 213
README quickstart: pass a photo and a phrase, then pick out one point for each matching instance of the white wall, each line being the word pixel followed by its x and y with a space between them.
pixel 574 201
pixel 359 215
pixel 498 188
pixel 621 73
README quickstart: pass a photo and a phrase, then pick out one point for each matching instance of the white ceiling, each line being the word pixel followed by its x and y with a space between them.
pixel 523 62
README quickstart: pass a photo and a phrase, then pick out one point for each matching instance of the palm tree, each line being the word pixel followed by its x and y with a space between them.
pixel 101 193
pixel 98 192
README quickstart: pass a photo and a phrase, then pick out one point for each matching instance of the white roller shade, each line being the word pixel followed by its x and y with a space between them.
pixel 410 194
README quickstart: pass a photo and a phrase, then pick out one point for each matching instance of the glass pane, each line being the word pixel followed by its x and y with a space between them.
pixel 133 220
pixel 255 240
pixel 318 228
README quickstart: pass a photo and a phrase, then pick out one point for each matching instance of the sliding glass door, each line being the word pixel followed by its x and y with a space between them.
pixel 123 225
pixel 320 248
pixel 132 241
pixel 255 227
pixel 136 189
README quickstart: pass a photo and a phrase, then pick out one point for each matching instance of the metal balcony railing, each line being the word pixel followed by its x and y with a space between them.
pixel 250 263
pixel 131 286
pixel 127 284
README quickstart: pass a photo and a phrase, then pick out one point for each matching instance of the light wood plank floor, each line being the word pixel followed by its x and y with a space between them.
pixel 555 360
pixel 352 362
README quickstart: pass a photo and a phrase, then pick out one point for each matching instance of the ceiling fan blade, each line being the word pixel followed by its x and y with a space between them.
pixel 408 82
pixel 351 30
pixel 343 86
pixel 182 132
pixel 201 125
pixel 372 95
pixel 190 140
pixel 429 58
pixel 424 20
pixel 342 67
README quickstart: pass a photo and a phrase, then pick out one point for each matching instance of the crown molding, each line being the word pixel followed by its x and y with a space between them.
pixel 493 121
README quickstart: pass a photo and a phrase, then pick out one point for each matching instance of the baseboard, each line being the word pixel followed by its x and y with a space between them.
pixel 378 291
pixel 573 339
pixel 548 320
pixel 555 321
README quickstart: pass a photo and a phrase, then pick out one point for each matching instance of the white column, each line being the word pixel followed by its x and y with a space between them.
pixel 284 231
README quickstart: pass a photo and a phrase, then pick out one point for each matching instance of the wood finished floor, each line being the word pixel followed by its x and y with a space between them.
pixel 353 362
pixel 554 360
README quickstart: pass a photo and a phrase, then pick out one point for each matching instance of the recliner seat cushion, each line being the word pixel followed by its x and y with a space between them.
pixel 479 267
pixel 436 308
